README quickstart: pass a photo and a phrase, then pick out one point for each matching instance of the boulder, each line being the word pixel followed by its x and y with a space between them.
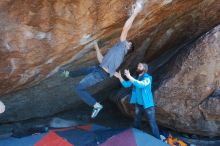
pixel 38 37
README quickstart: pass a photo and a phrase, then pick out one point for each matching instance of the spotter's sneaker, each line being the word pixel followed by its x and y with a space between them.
pixel 96 109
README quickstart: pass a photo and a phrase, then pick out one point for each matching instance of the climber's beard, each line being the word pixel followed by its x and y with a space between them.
pixel 139 72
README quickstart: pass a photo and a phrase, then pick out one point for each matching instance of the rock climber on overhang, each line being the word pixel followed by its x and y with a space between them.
pixel 108 64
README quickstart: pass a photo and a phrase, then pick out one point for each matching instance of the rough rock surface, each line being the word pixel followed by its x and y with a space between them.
pixel 37 37
pixel 210 107
pixel 187 87
pixel 187 92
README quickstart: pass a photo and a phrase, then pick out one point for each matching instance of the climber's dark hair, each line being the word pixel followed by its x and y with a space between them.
pixel 131 48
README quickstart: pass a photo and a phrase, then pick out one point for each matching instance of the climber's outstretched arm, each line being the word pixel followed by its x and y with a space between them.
pixel 128 23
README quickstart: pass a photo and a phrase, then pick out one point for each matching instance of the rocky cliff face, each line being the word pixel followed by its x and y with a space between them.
pixel 188 96
pixel 37 37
